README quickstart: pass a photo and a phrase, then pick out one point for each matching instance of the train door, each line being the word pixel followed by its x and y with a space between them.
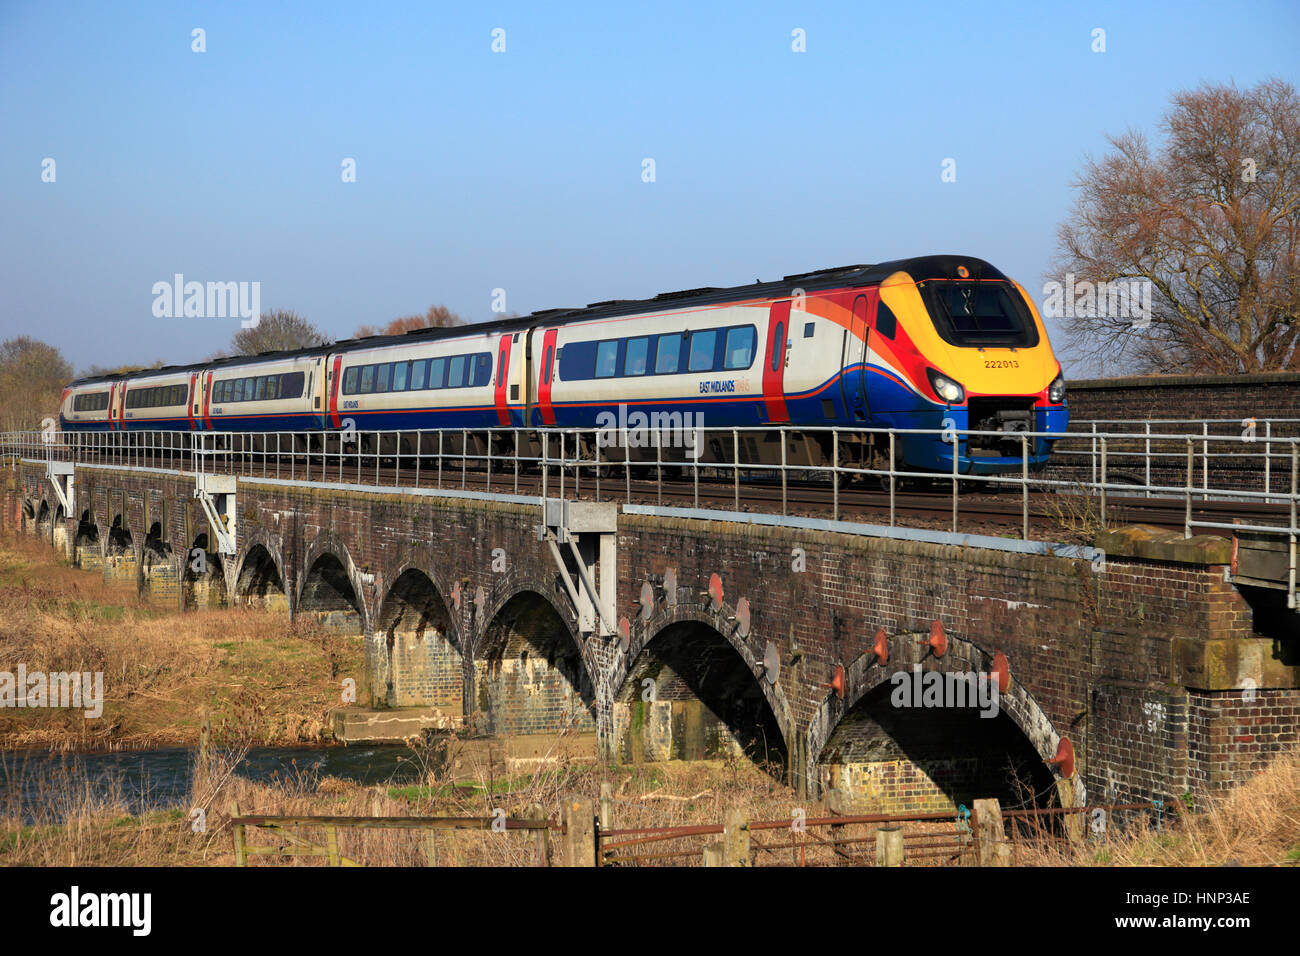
pixel 545 372
pixel 192 402
pixel 778 332
pixel 207 402
pixel 316 387
pixel 117 406
pixel 336 373
pixel 503 380
pixel 853 361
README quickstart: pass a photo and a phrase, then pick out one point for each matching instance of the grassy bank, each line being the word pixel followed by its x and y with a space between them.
pixel 255 675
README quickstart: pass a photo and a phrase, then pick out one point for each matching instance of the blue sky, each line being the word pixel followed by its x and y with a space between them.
pixel 522 170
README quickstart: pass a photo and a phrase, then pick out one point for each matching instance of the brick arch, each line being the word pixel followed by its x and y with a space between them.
pixel 384 586
pixel 864 676
pixel 328 543
pixel 510 585
pixel 259 537
pixel 643 634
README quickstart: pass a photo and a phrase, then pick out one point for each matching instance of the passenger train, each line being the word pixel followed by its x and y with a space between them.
pixel 930 342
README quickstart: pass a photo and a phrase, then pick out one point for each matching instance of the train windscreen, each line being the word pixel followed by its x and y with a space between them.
pixel 974 314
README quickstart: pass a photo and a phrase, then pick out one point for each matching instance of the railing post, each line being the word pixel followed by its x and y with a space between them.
pixel 1191 477
pixel 1103 481
pixel 735 471
pixel 1024 486
pixel 835 474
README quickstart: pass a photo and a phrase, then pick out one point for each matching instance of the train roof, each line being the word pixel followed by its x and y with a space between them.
pixel 918 267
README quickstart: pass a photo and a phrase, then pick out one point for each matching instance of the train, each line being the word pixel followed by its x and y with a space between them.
pixel 924 343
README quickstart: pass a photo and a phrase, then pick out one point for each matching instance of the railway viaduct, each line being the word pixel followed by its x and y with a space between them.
pixel 696 634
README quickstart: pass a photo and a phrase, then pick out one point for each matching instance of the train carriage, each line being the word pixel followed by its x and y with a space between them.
pixel 930 343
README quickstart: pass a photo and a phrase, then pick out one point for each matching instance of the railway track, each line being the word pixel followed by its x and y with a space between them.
pixel 1050 515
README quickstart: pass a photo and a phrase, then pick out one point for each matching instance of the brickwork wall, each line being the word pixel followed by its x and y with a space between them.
pixel 1090 653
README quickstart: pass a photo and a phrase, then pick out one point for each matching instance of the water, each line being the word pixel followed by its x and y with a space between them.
pixel 156 779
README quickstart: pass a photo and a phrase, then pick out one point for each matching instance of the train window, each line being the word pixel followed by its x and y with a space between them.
pixel 350 381
pixel 740 347
pixel 778 346
pixel 987 313
pixel 501 374
pixel 607 359
pixel 483 370
pixel 367 379
pixel 546 378
pixel 437 373
pixel 637 351
pixel 668 353
pixel 808 329
pixel 886 321
pixel 249 386
pixel 456 371
pixel 93 402
pixel 382 375
pixel 291 385
pixel 259 387
pixel 418 368
pixel 702 344
pixel 399 376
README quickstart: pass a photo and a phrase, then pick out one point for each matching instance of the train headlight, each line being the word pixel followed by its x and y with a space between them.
pixel 946 388
pixel 1056 391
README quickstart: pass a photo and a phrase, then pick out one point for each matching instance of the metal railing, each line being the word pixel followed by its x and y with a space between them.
pixel 820 471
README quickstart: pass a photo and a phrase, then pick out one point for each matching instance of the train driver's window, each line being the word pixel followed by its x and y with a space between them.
pixel 637 349
pixel 417 374
pixel 886 321
pixel 668 353
pixel 702 343
pixel 607 359
pixel 740 347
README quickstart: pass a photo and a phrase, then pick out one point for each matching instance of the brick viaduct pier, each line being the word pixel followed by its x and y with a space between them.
pixel 731 632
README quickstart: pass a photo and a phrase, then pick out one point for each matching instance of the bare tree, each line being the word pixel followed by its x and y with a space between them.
pixel 276 330
pixel 1211 221
pixel 32 376
pixel 436 317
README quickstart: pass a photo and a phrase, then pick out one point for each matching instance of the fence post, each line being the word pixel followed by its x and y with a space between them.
pixel 332 845
pixel 990 840
pixel 606 807
pixel 713 854
pixel 237 829
pixel 541 837
pixel 837 805
pixel 889 846
pixel 579 833
pixel 735 839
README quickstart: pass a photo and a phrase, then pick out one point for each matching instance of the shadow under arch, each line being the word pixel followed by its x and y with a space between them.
pixel 259 583
pixel 893 749
pixel 327 594
pixel 530 676
pixel 422 663
pixel 690 694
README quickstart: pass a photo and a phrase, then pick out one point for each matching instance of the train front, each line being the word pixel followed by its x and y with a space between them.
pixel 983 363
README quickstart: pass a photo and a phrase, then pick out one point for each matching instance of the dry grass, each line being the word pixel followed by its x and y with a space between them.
pixel 1256 824
pixel 254 674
